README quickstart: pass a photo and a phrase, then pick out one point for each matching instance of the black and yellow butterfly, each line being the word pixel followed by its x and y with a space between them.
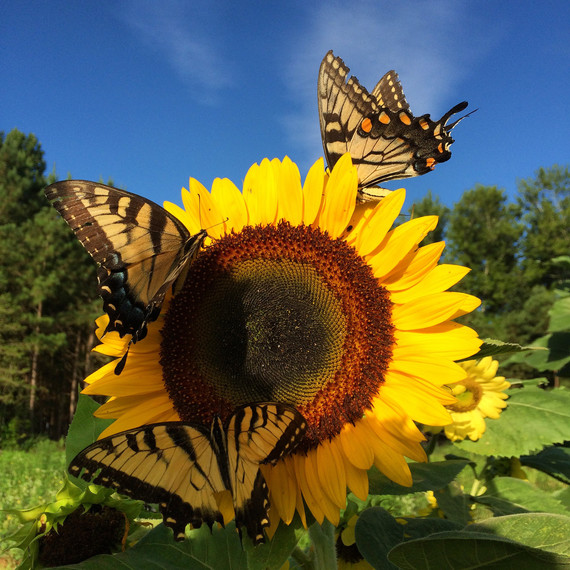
pixel 385 140
pixel 139 247
pixel 180 466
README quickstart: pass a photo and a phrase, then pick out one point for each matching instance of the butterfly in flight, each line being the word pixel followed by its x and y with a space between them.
pixel 385 140
pixel 139 247
pixel 181 465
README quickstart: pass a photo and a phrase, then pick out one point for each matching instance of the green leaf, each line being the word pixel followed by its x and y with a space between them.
pixel 273 553
pixel 85 427
pixel 322 536
pixel 556 355
pixel 454 503
pixel 542 542
pixel 554 461
pixel 219 550
pixel 545 531
pixel 560 316
pixel 508 495
pixel 376 533
pixel 419 528
pixel 493 347
pixel 533 419
pixel 426 477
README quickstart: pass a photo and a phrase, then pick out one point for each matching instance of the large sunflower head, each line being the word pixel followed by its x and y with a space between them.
pixel 301 297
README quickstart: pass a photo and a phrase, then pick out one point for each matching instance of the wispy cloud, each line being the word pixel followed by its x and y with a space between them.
pixel 179 31
pixel 422 42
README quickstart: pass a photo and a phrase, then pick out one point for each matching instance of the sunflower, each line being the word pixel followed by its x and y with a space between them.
pixel 479 396
pixel 302 297
pixel 348 555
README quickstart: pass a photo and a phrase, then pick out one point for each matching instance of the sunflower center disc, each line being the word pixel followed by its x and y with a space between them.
pixel 273 314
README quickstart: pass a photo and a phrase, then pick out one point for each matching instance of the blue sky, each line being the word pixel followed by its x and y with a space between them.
pixel 150 93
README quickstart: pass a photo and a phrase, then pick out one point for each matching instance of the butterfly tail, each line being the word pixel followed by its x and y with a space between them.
pixel 253 513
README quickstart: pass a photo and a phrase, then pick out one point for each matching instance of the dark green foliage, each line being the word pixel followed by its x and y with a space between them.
pixel 483 234
pixel 544 207
pixel 47 305
pixel 511 249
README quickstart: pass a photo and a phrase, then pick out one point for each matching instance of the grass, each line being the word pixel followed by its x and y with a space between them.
pixel 27 479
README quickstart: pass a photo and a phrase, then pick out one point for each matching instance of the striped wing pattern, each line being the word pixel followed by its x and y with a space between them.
pixel 384 138
pixel 181 466
pixel 139 247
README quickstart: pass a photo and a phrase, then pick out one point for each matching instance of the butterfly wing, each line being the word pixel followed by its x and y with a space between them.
pixel 389 93
pixel 384 139
pixel 140 248
pixel 172 464
pixel 257 435
pixel 395 145
pixel 343 104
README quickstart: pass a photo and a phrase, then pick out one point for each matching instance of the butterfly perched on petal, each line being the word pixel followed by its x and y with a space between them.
pixel 181 465
pixel 139 247
pixel 385 140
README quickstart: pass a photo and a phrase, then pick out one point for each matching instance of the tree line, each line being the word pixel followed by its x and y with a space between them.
pixel 48 292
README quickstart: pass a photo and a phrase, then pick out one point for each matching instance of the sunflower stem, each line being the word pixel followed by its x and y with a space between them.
pixel 302 559
pixel 323 541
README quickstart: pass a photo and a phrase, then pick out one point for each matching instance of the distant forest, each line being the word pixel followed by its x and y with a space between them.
pixel 48 292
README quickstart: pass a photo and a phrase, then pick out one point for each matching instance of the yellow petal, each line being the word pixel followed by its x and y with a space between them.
pixel 384 417
pixel 209 216
pixel 398 243
pixel 290 193
pixel 414 267
pixel 391 463
pixel 191 223
pixel 380 221
pixel 429 310
pixel 439 279
pixel 315 485
pixel 135 379
pixel 422 406
pixel 260 193
pixel 282 485
pixel 340 197
pixel 356 479
pixel 313 192
pixel 331 472
pixel 410 343
pixel 355 446
pixel 229 200
pixel 191 205
pixel 440 371
pixel 149 410
pixel 106 370
pixel 300 463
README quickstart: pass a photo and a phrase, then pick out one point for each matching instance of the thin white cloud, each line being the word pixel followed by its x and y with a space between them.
pixel 178 30
pixel 421 41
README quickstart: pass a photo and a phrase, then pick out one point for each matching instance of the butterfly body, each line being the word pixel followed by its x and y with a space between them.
pixel 385 140
pixel 139 247
pixel 182 466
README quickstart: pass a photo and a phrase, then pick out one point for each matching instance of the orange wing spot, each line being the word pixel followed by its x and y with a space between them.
pixel 404 117
pixel 424 124
pixel 440 147
pixel 430 163
pixel 366 125
pixel 384 118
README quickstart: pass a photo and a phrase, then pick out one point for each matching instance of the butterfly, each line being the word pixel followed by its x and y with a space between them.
pixel 139 247
pixel 385 140
pixel 180 465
